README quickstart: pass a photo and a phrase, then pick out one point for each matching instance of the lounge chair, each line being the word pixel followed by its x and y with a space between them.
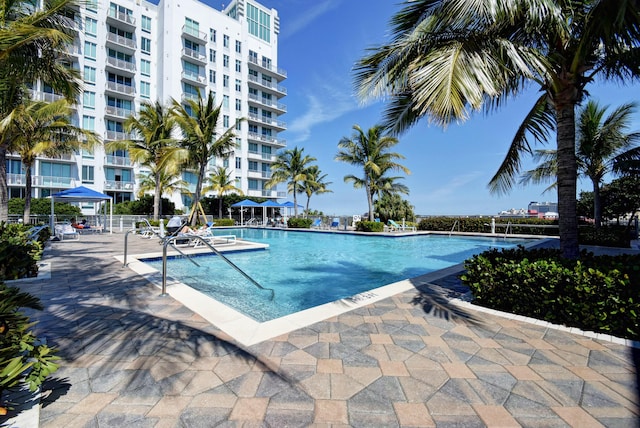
pixel 66 231
pixel 34 232
pixel 335 223
pixel 317 224
pixel 393 227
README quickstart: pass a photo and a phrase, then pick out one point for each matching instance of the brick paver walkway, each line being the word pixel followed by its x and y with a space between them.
pixel 134 359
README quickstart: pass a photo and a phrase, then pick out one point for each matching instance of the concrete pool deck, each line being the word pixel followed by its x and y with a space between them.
pixel 132 358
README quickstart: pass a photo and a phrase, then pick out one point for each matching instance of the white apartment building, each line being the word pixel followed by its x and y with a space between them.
pixel 132 51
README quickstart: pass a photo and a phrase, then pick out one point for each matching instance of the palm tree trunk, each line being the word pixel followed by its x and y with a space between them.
pixel 196 198
pixel 567 176
pixel 370 202
pixel 156 199
pixel 4 191
pixel 597 206
pixel 306 209
pixel 295 200
pixel 27 195
pixel 220 205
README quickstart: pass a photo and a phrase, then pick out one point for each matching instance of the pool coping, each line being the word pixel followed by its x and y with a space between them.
pixel 247 331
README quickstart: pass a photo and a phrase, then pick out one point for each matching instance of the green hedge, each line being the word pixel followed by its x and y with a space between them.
pixel 598 293
pixel 369 226
pixel 19 256
pixel 299 223
pixel 224 222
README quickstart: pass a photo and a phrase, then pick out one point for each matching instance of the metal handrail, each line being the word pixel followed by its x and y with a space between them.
pixel 454 226
pixel 168 241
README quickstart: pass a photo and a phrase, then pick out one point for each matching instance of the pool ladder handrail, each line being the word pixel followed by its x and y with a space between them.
pixel 454 226
pixel 506 230
pixel 170 241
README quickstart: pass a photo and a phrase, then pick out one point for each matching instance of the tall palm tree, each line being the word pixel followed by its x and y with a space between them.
pixel 291 167
pixel 384 185
pixel 38 128
pixel 314 184
pixel 448 57
pixel 170 182
pixel 199 123
pixel 220 181
pixel 603 146
pixel 32 35
pixel 370 151
pixel 155 148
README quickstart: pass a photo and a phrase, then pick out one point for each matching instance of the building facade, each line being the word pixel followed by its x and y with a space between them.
pixel 132 51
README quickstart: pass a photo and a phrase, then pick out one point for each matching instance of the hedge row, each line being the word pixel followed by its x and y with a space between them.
pixel 597 293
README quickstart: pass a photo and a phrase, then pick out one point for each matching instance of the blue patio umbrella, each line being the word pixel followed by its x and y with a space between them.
pixel 290 204
pixel 265 205
pixel 245 203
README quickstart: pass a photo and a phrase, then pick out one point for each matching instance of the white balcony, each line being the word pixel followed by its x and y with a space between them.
pixel 194 33
pixel 269 85
pixel 194 78
pixel 121 88
pixel 51 181
pixel 268 121
pixel 119 185
pixel 124 18
pixel 117 160
pixel 267 139
pixel 266 102
pixel 120 113
pixel 120 64
pixel 268 67
pixel 116 136
pixel 195 55
pixel 121 41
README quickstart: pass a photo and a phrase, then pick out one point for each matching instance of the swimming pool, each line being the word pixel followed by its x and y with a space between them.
pixel 308 269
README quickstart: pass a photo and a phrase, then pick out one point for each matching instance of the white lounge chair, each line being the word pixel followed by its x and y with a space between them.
pixel 66 231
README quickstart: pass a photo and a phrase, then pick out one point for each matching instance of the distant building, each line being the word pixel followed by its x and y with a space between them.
pixel 548 210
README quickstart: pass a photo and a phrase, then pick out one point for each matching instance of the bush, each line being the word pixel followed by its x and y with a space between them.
pixel 299 223
pixel 24 359
pixel 369 226
pixel 606 236
pixel 224 222
pixel 42 206
pixel 598 293
pixel 18 254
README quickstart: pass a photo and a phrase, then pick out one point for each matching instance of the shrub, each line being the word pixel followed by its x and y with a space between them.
pixel 299 223
pixel 224 222
pixel 610 236
pixel 369 226
pixel 18 254
pixel 598 293
pixel 24 359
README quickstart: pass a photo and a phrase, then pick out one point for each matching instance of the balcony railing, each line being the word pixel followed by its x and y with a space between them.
pixel 123 41
pixel 267 102
pixel 266 174
pixel 119 185
pixel 194 54
pixel 196 78
pixel 50 181
pixel 117 160
pixel 186 97
pixel 45 96
pixel 267 84
pixel 119 112
pixel 268 156
pixel 267 120
pixel 121 88
pixel 122 17
pixel 16 179
pixel 267 139
pixel 193 32
pixel 268 66
pixel 121 64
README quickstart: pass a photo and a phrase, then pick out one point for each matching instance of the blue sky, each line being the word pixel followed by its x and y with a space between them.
pixel 319 43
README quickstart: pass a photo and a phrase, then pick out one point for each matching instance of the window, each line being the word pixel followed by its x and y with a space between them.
pixel 191 27
pixel 51 169
pixel 253 128
pixel 145 67
pixel 253 110
pixel 238 85
pixel 253 57
pixel 253 166
pixel 259 23
pixel 253 184
pixel 90 50
pixel 145 89
pixel 86 154
pixel 238 105
pixel 89 100
pixel 146 24
pixel 225 102
pixel 225 61
pixel 238 125
pixel 225 162
pixel 238 163
pixel 238 143
pixel 190 69
pixel 212 55
pixel 238 66
pixel 253 148
pixel 90 26
pixel 212 76
pixel 225 41
pixel 212 35
pixel 88 123
pixel 225 121
pixel 145 45
pixel 225 80
pixel 238 46
pixel 92 5
pixel 87 174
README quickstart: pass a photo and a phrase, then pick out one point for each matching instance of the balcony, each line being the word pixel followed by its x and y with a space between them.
pixel 194 55
pixel 268 193
pixel 268 157
pixel 194 33
pixel 192 97
pixel 121 18
pixel 271 86
pixel 66 157
pixel 267 139
pixel 121 89
pixel 266 102
pixel 254 173
pixel 121 41
pixel 50 181
pixel 117 112
pixel 265 66
pixel 266 174
pixel 16 179
pixel 117 136
pixel 194 78
pixel 117 160
pixel 45 96
pixel 126 186
pixel 73 49
pixel 253 155
pixel 121 65
pixel 280 125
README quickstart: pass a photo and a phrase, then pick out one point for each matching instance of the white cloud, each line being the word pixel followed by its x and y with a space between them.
pixel 311 14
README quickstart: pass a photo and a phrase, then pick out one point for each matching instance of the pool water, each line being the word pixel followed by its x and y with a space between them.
pixel 307 269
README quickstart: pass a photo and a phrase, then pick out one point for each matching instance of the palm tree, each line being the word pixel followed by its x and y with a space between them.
pixel 170 182
pixel 602 147
pixel 290 166
pixel 30 44
pixel 314 184
pixel 448 57
pixel 38 128
pixel 155 148
pixel 220 181
pixel 199 123
pixel 370 151
pixel 384 185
